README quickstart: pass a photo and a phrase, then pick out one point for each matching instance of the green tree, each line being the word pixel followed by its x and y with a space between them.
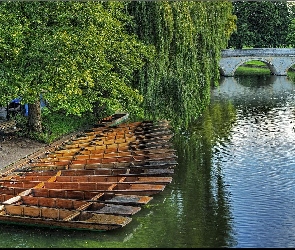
pixel 78 55
pixel 188 37
pixel 81 55
pixel 291 32
pixel 260 24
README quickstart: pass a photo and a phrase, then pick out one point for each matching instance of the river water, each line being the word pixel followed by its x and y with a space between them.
pixel 257 159
pixel 234 184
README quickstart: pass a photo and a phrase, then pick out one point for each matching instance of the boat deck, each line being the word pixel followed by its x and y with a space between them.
pixel 94 181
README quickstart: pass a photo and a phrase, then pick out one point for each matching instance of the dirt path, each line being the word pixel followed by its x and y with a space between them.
pixel 14 148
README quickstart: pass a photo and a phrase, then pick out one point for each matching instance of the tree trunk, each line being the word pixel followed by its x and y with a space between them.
pixel 34 117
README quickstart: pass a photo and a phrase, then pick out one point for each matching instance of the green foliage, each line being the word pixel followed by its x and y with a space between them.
pixel 291 34
pixel 253 68
pixel 76 54
pixel 103 56
pixel 188 37
pixel 244 70
pixel 291 75
pixel 255 63
pixel 260 24
pixel 57 124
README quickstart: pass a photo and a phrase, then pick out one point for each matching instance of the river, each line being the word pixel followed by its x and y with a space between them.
pixel 233 185
pixel 257 161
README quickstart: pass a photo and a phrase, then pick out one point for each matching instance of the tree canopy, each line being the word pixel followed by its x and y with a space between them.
pixel 188 37
pixel 113 54
pixel 260 24
pixel 73 53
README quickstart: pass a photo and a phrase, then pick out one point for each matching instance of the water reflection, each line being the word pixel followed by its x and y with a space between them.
pixel 258 160
pixel 262 87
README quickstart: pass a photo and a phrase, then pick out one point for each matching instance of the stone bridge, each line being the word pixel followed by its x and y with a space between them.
pixel 278 60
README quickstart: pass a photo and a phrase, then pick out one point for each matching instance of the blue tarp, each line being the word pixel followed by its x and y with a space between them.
pixel 26 106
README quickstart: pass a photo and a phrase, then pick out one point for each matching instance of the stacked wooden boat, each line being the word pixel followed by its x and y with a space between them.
pixel 95 181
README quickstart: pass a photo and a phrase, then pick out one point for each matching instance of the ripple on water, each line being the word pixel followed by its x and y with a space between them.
pixel 259 169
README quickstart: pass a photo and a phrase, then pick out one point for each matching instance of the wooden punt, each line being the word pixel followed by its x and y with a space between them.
pixel 113 120
pixel 95 181
pixel 123 178
pixel 106 198
pixel 57 218
pixel 96 165
pixel 91 187
pixel 73 205
pixel 102 171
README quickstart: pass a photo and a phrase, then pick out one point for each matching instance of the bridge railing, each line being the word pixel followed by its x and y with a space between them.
pixel 258 52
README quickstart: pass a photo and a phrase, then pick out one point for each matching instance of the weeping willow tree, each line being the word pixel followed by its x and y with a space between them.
pixel 188 37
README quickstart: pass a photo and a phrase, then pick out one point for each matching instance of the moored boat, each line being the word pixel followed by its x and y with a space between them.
pixel 57 218
pixel 96 180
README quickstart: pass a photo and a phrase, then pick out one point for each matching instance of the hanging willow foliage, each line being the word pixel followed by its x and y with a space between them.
pixel 188 37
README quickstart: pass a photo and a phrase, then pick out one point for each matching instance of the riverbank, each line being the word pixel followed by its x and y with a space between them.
pixel 258 68
pixel 14 148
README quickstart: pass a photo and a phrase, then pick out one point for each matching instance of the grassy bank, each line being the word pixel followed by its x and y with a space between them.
pixel 55 125
pixel 253 68
pixel 260 68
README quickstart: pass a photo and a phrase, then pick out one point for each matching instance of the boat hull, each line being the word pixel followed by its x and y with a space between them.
pixel 97 180
pixel 76 225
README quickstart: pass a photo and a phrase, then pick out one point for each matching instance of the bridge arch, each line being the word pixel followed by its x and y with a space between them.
pixel 268 63
pixel 278 60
